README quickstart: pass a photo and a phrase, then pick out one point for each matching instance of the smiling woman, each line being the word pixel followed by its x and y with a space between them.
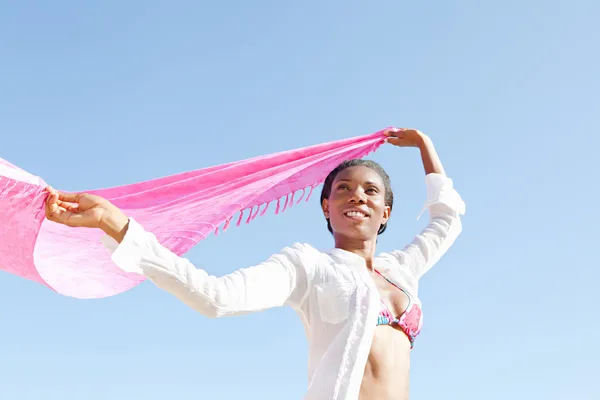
pixel 361 312
pixel 372 179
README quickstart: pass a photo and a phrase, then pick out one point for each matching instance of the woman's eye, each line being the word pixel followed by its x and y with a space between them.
pixel 372 191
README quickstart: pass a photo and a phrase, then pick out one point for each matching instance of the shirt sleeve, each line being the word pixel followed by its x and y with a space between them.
pixel 281 280
pixel 445 206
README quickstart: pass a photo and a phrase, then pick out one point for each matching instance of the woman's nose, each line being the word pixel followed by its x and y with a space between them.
pixel 357 196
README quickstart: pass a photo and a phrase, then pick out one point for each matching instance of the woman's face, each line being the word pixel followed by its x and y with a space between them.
pixel 356 206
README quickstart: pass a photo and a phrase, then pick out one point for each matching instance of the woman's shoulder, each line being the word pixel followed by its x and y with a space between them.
pixel 306 255
pixel 303 252
pixel 312 254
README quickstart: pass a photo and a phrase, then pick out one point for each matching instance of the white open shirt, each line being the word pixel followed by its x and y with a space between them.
pixel 332 291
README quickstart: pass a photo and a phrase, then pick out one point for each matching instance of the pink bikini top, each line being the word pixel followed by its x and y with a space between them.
pixel 409 321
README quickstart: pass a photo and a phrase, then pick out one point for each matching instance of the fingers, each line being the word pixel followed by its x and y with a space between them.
pixel 55 209
pixel 51 200
pixel 395 137
pixel 62 216
pixel 52 209
pixel 394 132
pixel 397 141
pixel 69 206
pixel 65 201
pixel 69 197
pixel 58 211
pixel 63 196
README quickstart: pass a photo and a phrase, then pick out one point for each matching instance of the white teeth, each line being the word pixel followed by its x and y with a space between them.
pixel 355 214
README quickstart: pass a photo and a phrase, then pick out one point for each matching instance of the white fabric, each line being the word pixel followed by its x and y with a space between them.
pixel 332 292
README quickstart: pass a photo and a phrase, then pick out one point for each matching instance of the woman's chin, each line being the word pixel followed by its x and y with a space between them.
pixel 357 232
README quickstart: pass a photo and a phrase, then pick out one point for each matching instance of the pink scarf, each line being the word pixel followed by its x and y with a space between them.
pixel 180 210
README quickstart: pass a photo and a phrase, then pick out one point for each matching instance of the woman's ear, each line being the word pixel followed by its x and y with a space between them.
pixel 325 207
pixel 387 213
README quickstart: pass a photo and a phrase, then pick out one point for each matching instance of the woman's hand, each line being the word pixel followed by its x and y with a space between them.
pixel 403 137
pixel 86 210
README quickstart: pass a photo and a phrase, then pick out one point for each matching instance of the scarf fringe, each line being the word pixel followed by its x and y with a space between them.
pixel 289 201
pixel 254 211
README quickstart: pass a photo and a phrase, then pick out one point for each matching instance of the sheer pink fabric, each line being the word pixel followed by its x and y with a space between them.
pixel 180 210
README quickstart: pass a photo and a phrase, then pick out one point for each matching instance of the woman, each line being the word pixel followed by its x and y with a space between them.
pixel 361 312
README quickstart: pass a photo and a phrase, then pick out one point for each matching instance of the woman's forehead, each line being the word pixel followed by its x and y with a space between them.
pixel 359 174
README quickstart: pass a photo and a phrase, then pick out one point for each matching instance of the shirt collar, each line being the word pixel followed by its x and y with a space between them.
pixel 347 256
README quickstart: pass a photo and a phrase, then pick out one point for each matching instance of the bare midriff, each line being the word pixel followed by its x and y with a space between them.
pixel 387 374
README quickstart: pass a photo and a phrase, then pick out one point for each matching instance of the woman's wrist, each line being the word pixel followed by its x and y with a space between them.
pixel 429 156
pixel 115 223
pixel 424 141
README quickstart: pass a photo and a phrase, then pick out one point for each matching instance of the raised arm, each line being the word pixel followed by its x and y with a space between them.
pixel 443 202
pixel 281 280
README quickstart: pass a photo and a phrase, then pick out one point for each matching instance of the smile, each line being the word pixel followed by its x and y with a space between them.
pixel 356 215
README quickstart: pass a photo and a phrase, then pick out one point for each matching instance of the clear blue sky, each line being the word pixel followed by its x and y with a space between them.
pixel 97 94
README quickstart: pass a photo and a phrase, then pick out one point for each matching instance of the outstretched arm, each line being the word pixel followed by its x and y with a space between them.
pixel 414 138
pixel 281 280
pixel 443 202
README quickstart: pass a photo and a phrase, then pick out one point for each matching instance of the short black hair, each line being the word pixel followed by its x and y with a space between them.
pixel 357 162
